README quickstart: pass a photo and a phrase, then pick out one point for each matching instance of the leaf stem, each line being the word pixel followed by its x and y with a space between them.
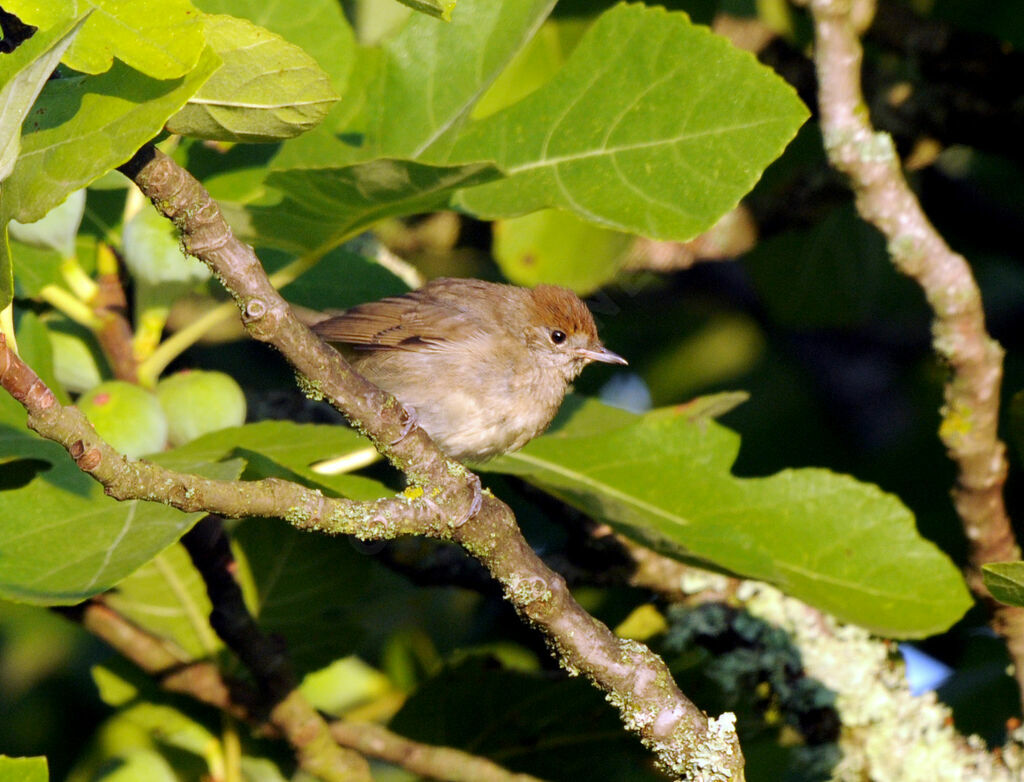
pixel 7 325
pixel 81 284
pixel 71 305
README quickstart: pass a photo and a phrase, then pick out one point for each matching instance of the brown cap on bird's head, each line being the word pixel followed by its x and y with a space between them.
pixel 562 309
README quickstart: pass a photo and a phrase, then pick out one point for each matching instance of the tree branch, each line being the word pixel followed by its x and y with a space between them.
pixel 289 711
pixel 430 761
pixel 686 742
pixel 886 729
pixel 884 199
pixel 203 681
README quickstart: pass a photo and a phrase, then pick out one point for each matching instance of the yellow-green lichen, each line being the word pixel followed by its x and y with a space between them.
pixel 412 493
pixel 310 388
pixel 956 421
pixel 297 516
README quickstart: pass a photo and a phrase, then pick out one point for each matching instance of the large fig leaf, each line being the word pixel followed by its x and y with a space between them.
pixel 663 479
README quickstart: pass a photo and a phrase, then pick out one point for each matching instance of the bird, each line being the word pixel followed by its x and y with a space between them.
pixel 482 367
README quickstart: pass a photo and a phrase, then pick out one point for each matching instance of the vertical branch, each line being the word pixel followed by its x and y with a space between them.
pixel 971 410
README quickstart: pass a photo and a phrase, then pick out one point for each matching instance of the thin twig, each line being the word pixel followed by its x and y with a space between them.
pixel 430 761
pixel 205 682
pixel 883 197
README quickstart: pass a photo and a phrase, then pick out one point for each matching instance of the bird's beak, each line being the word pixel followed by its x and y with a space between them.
pixel 601 354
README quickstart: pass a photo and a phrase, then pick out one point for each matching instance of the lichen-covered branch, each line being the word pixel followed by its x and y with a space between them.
pixel 970 414
pixel 888 732
pixel 686 742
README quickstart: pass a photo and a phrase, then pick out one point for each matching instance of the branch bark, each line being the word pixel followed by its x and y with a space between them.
pixel 971 411
pixel 203 681
pixel 685 741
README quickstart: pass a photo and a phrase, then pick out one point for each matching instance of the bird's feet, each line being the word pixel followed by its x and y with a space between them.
pixel 476 503
pixel 409 420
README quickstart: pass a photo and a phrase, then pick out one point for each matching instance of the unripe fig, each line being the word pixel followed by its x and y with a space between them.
pixel 126 416
pixel 74 363
pixel 199 401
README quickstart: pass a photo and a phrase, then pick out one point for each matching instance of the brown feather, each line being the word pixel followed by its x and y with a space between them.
pixel 429 316
pixel 560 307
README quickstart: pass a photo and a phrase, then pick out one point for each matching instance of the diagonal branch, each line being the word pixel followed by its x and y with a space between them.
pixel 971 409
pixel 636 680
pixel 686 742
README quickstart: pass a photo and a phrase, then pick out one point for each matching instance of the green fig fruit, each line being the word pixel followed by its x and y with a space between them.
pixel 200 401
pixel 75 361
pixel 127 416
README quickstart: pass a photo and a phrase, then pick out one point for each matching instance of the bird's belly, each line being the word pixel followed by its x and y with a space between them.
pixel 471 415
pixel 468 427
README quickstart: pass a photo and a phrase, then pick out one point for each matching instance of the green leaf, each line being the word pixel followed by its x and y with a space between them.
pixel 439 9
pixel 320 208
pixel 23 73
pixel 654 126
pixel 840 545
pixel 556 247
pixel 170 727
pixel 167 597
pixel 298 580
pixel 533 66
pixel 84 126
pixel 431 74
pixel 37 268
pixel 161 38
pixel 318 26
pixel 266 90
pixel 153 735
pixel 23 769
pixel 365 280
pixel 293 447
pixel 1005 580
pixel 77 356
pixel 416 90
pixel 114 688
pixel 57 229
pixel 62 539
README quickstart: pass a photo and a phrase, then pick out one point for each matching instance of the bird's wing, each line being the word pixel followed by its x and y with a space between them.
pixel 413 321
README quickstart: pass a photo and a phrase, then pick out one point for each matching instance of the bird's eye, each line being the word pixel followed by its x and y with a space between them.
pixel 558 337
